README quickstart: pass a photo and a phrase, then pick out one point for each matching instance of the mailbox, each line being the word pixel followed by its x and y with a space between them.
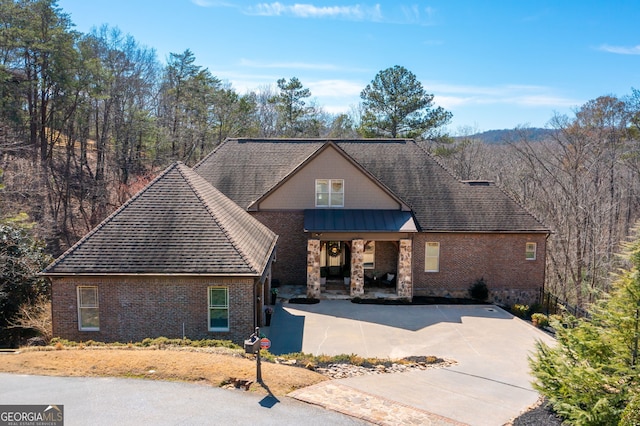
pixel 252 345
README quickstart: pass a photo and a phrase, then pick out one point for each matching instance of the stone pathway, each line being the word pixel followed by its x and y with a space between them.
pixel 375 409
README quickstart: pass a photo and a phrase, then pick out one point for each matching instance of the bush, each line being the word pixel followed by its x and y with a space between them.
pixel 540 320
pixel 631 414
pixel 479 290
pixel 521 311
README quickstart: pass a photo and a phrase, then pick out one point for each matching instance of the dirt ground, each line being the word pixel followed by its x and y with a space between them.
pixel 217 368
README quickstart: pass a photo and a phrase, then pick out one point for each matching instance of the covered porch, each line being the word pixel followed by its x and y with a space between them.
pixel 359 253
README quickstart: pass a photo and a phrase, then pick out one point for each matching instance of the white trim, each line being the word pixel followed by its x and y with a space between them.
pixel 436 256
pixel 80 307
pixel 530 251
pixel 220 307
pixel 329 193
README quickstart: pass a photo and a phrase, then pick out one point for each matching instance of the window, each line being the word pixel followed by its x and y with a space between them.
pixel 218 309
pixel 530 251
pixel 88 316
pixel 329 192
pixel 369 255
pixel 432 257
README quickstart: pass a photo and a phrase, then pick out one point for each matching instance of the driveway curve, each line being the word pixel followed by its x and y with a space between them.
pixel 489 385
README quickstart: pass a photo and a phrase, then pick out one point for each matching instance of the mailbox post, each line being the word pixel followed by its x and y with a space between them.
pixel 252 346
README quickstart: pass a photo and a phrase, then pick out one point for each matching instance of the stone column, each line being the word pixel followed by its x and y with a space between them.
pixel 405 281
pixel 313 269
pixel 357 268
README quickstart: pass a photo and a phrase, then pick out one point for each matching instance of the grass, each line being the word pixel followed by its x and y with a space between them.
pixel 215 366
pixel 213 362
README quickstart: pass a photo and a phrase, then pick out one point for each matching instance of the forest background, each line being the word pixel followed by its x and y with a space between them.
pixel 86 120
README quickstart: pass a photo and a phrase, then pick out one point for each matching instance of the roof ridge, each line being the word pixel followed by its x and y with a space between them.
pixel 110 217
pixel 232 240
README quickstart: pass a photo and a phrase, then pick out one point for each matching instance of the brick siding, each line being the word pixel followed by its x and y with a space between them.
pixel 134 308
pixel 465 258
pixel 291 264
pixel 499 258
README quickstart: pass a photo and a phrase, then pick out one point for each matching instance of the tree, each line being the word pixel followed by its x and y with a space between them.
pixel 21 259
pixel 290 104
pixel 396 105
pixel 590 376
pixel 581 183
pixel 341 126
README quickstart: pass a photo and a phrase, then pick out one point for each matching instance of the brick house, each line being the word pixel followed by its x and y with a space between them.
pixel 375 207
pixel 194 253
pixel 179 259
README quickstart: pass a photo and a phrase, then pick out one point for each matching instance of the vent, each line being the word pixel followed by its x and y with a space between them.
pixel 478 182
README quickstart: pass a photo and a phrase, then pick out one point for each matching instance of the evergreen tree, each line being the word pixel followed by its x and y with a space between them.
pixel 293 114
pixel 590 377
pixel 21 260
pixel 396 105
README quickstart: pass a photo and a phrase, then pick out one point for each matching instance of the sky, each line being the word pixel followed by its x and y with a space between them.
pixel 493 64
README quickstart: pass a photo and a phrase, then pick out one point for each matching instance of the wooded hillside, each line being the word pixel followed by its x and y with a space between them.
pixel 86 120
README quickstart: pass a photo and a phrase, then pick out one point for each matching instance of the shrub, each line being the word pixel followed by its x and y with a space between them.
pixel 519 310
pixel 540 320
pixel 631 414
pixel 479 290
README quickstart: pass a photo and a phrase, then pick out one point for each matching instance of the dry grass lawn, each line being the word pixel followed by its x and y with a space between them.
pixel 188 365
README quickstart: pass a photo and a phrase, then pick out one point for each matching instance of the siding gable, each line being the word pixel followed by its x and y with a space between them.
pixel 297 191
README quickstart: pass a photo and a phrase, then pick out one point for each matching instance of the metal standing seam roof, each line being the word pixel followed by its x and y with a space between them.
pixel 177 224
pixel 355 220
pixel 246 169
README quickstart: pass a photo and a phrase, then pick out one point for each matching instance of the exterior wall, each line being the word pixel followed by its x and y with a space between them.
pixel 360 192
pixel 386 257
pixel 291 262
pixel 465 258
pixel 134 308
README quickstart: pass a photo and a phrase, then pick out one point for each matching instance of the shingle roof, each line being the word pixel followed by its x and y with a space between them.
pixel 246 169
pixel 177 224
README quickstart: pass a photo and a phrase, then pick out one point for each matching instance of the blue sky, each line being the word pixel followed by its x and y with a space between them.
pixel 494 65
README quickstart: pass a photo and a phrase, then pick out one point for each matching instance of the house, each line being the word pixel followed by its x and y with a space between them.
pixel 179 259
pixel 375 207
pixel 193 254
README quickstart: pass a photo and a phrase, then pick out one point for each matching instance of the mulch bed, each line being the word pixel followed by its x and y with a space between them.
pixel 304 301
pixel 540 415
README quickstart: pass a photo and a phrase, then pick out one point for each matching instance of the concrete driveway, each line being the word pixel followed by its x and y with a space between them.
pixel 490 384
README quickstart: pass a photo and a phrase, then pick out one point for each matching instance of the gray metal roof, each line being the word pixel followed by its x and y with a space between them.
pixel 177 224
pixel 354 220
pixel 246 169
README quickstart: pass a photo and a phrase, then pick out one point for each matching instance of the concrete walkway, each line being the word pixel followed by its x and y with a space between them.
pixel 490 384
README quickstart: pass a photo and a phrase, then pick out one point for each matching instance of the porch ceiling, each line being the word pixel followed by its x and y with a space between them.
pixel 358 220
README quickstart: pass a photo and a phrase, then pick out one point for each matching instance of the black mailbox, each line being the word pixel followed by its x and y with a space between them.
pixel 252 345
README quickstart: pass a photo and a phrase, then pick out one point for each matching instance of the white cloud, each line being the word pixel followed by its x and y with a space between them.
pixel 336 88
pixel 451 95
pixel 288 65
pixel 418 15
pixel 621 50
pixel 212 3
pixel 304 10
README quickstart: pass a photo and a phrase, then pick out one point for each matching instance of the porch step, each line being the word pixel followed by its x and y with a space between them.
pixel 335 291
